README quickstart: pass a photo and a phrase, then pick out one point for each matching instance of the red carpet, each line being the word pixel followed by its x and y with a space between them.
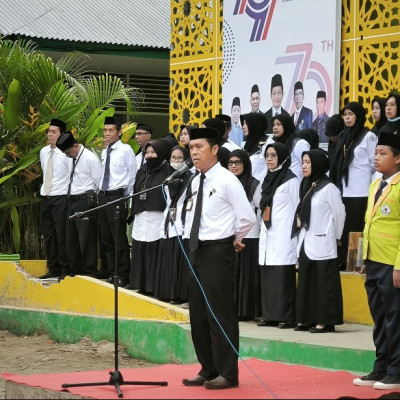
pixel 284 381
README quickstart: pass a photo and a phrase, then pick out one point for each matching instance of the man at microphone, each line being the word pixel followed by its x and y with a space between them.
pixel 218 217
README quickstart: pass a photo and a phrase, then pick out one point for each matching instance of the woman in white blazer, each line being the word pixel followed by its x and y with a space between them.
pixel 277 250
pixel 319 224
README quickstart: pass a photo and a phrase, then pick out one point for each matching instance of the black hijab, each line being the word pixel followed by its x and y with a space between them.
pixel 275 178
pixel 246 178
pixel 316 181
pixel 223 156
pixel 393 126
pixel 154 164
pixel 256 125
pixel 289 129
pixel 382 119
pixel 176 188
pixel 347 142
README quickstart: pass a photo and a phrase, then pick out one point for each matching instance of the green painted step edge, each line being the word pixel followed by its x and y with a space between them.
pixel 10 257
pixel 163 342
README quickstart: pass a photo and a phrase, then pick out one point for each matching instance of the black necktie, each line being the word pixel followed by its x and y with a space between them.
pixel 194 233
pixel 106 178
pixel 380 190
pixel 71 177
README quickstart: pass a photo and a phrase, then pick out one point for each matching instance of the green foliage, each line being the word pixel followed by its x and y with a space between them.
pixel 34 89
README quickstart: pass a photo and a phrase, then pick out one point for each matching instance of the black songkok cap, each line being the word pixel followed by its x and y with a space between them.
pixel 144 127
pixel 112 121
pixel 203 133
pixel 65 141
pixel 255 89
pixel 276 81
pixel 389 139
pixel 236 102
pixel 298 85
pixel 57 122
pixel 217 124
pixel 320 94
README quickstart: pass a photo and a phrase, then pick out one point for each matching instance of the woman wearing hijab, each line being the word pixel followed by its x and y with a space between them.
pixel 319 224
pixel 283 129
pixel 378 113
pixel 352 171
pixel 248 287
pixel 172 272
pixel 392 112
pixel 277 250
pixel 256 140
pixel 148 211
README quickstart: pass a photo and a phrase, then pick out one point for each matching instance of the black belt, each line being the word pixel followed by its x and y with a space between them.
pixel 217 241
pixel 53 197
pixel 75 197
pixel 111 192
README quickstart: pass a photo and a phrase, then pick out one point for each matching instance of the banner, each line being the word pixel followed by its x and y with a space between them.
pixel 282 53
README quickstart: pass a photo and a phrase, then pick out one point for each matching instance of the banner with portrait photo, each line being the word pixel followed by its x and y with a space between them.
pixel 296 42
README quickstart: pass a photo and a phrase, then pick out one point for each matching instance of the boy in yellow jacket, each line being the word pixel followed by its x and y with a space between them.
pixel 381 254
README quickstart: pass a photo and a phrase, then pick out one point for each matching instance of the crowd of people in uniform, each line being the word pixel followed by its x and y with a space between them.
pixel 264 223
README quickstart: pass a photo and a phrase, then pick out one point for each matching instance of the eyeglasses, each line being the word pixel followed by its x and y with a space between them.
pixel 177 159
pixel 237 163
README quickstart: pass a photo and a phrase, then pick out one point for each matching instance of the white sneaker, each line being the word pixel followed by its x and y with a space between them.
pixel 388 382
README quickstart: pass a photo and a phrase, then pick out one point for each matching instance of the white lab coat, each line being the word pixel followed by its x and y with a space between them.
pixel 326 224
pixel 276 246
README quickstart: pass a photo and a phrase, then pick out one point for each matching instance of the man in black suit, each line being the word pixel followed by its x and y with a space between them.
pixel 302 117
pixel 320 120
pixel 276 97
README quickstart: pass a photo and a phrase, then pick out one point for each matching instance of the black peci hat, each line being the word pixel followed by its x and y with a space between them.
pixel 389 139
pixel 236 102
pixel 276 81
pixel 203 133
pixel 321 94
pixel 65 141
pixel 298 85
pixel 144 127
pixel 60 124
pixel 255 89
pixel 112 121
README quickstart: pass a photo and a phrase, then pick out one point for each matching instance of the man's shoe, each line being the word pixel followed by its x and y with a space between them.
pixel 388 382
pixel 110 279
pixel 370 379
pixel 49 275
pixel 196 381
pixel 219 383
pixel 267 323
pixel 287 325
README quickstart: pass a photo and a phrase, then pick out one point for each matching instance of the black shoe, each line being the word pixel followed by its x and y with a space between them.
pixel 326 328
pixel 287 325
pixel 391 382
pixel 49 275
pixel 219 383
pixel 196 381
pixel 370 379
pixel 303 327
pixel 267 323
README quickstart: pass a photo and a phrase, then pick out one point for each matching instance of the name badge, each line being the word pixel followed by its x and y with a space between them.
pixel 386 210
pixel 189 204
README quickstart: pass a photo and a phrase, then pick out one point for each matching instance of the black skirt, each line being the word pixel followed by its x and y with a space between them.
pixel 143 265
pixel 248 281
pixel 278 292
pixel 355 220
pixel 319 292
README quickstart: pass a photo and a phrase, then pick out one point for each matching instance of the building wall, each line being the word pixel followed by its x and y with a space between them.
pixel 369 56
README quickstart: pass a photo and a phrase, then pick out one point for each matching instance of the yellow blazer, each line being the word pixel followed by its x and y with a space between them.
pixel 382 224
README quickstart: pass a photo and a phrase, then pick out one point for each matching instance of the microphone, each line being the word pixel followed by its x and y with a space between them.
pixel 185 167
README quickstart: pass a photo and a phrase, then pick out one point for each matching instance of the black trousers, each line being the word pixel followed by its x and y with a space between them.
pixel 215 268
pixel 53 220
pixel 82 238
pixel 107 235
pixel 384 305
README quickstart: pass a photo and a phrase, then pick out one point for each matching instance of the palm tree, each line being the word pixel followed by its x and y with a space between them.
pixel 34 90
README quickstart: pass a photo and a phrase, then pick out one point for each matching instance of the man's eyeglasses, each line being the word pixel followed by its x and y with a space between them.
pixel 237 163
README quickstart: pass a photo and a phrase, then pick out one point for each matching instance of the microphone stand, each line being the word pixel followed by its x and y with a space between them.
pixel 116 378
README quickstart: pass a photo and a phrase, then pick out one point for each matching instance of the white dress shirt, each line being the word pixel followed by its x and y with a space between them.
pixel 123 167
pixel 255 204
pixel 61 170
pixel 326 224
pixel 276 245
pixel 226 210
pixel 146 224
pixel 87 172
pixel 258 165
pixel 361 169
